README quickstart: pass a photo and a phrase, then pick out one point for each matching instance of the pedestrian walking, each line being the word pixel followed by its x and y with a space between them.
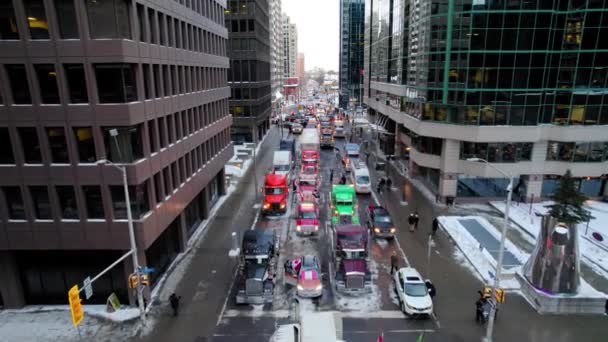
pixel 381 184
pixel 174 301
pixel 435 226
pixel 413 221
pixel 394 262
pixel 389 183
pixel 431 288
pixel 343 179
pixel 295 185
pixel 331 176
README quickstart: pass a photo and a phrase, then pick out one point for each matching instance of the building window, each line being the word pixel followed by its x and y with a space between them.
pixel 138 196
pixel 6 149
pixel 30 145
pixel 66 18
pixel 85 144
pixel 152 23
pixel 67 202
pixel 125 146
pixel 116 83
pixel 18 81
pixel 59 147
pixel 47 82
pixel 109 19
pixel 77 85
pixel 158 187
pixel 8 22
pixel 42 204
pixel 36 19
pixel 14 202
pixel 93 201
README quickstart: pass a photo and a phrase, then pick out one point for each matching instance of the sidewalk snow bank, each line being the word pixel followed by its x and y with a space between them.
pixel 529 222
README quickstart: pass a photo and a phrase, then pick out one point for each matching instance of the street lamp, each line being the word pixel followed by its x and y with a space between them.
pixel 501 248
pixel 140 296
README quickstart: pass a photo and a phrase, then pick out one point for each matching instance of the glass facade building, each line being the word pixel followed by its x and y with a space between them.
pixel 494 79
pixel 351 51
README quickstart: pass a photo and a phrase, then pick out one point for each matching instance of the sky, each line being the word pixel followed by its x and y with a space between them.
pixel 318 23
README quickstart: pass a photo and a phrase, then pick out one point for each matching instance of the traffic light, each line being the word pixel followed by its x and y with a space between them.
pixel 145 279
pixel 75 305
pixel 133 281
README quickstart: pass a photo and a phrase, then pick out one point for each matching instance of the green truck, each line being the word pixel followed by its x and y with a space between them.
pixel 343 205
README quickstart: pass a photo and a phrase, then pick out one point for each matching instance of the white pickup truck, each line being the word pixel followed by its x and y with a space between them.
pixel 313 327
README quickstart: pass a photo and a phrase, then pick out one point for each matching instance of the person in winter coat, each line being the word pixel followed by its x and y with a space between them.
pixel 431 288
pixel 394 262
pixel 435 226
pixel 479 304
pixel 381 185
pixel 413 221
pixel 174 301
pixel 331 176
pixel 389 183
pixel 343 179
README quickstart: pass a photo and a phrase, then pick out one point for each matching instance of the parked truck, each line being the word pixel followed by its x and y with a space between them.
pixel 343 206
pixel 350 259
pixel 310 146
pixel 257 269
pixel 311 327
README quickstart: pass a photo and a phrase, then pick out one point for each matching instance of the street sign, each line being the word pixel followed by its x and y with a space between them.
pixel 88 288
pixel 146 269
pixel 75 305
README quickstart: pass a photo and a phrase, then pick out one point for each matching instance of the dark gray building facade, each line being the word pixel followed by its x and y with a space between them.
pixel 249 76
pixel 351 50
pixel 141 83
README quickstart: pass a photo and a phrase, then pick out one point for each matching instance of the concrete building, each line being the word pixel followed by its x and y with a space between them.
pixel 290 48
pixel 276 53
pixel 521 84
pixel 138 83
pixel 248 23
pixel 351 51
pixel 300 65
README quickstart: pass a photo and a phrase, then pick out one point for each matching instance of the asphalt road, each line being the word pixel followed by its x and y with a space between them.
pixel 210 314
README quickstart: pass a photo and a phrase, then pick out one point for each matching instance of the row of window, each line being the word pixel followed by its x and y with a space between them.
pixel 208 8
pixel 122 144
pixel 248 71
pixel 164 184
pixel 582 152
pixel 497 152
pixel 111 19
pixel 255 110
pixel 116 83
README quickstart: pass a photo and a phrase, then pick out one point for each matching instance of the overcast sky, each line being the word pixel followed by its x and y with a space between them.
pixel 318 23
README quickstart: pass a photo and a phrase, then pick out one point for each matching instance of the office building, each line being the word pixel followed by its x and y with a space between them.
pixel 141 84
pixel 300 65
pixel 276 54
pixel 351 51
pixel 248 23
pixel 521 84
pixel 290 48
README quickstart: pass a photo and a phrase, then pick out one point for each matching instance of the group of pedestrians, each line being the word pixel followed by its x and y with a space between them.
pixel 384 183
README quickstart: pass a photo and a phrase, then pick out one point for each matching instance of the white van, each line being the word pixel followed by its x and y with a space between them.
pixel 360 177
pixel 281 163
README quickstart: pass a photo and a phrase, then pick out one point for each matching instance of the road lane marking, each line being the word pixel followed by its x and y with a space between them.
pixel 285 313
pixel 398 331
pixel 219 319
pixel 255 220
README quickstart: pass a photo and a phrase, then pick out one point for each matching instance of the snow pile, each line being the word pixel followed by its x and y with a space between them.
pixel 594 254
pixel 233 170
pixel 480 259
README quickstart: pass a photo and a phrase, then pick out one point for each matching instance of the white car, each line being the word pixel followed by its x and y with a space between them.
pixel 412 292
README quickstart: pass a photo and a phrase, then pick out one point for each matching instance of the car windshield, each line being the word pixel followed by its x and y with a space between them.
pixel 284 167
pixel 382 219
pixel 307 183
pixel 416 290
pixel 345 203
pixel 362 180
pixel 308 215
pixel 274 191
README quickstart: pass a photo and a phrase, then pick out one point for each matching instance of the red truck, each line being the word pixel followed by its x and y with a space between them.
pixel 276 193
pixel 350 267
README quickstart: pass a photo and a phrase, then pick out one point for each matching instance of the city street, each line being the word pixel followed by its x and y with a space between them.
pixel 209 311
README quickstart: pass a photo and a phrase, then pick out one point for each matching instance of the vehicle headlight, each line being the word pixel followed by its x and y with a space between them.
pixel 319 287
pixel 298 228
pixel 393 230
pixel 266 205
pixel 300 288
pixel 316 227
pixel 335 212
pixel 377 230
pixel 282 205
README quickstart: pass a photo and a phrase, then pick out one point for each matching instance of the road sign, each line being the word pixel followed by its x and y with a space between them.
pixel 88 288
pixel 75 305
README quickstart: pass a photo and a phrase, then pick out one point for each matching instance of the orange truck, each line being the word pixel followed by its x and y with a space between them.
pixel 276 192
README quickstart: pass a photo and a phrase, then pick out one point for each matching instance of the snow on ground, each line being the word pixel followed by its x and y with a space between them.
pixel 593 253
pixel 480 259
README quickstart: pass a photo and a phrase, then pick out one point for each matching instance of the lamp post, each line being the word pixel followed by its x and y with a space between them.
pixel 140 295
pixel 501 248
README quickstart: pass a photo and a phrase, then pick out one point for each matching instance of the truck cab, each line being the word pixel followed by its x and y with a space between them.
pixel 257 269
pixel 311 327
pixel 276 193
pixel 351 253
pixel 343 207
pixel 307 221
